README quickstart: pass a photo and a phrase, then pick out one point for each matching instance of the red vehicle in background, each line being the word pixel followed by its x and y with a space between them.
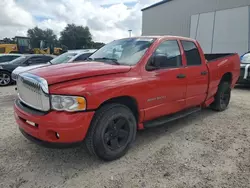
pixel 127 85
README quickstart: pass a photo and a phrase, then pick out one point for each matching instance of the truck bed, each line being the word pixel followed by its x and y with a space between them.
pixel 218 65
pixel 213 57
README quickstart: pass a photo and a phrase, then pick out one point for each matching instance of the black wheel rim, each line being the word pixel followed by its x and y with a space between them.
pixel 4 79
pixel 116 134
pixel 225 98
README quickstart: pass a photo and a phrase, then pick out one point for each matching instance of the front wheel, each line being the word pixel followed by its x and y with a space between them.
pixel 222 97
pixel 5 78
pixel 112 132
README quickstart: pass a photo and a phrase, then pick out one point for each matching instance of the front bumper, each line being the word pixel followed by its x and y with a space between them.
pixel 44 128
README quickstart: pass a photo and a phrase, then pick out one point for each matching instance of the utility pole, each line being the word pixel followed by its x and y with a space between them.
pixel 130 32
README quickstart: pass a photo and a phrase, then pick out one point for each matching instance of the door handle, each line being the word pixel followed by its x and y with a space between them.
pixel 181 76
pixel 204 73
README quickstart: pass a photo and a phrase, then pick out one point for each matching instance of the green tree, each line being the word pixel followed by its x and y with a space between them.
pixel 7 40
pixel 76 37
pixel 36 35
pixel 97 45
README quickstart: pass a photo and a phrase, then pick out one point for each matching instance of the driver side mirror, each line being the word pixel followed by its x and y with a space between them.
pixel 156 61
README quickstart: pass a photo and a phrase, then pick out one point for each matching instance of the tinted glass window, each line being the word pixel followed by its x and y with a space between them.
pixel 192 53
pixel 19 60
pixel 63 58
pixel 7 58
pixel 46 59
pixel 38 60
pixel 83 57
pixel 171 50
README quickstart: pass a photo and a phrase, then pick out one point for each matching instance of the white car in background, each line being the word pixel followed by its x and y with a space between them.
pixel 244 69
pixel 67 57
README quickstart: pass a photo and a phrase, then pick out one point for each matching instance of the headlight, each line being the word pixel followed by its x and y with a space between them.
pixel 1 67
pixel 68 103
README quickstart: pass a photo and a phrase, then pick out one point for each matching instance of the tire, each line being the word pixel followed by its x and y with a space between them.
pixel 5 78
pixel 222 97
pixel 103 139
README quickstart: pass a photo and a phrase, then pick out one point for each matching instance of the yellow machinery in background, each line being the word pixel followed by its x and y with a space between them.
pixel 8 48
pixel 47 48
pixel 21 45
pixel 55 51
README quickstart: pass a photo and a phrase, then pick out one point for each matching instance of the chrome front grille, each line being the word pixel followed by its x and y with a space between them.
pixel 31 91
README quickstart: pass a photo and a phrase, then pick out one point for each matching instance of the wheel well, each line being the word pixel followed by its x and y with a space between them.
pixel 130 102
pixel 227 78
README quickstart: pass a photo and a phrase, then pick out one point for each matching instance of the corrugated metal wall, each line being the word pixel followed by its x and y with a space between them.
pixel 222 31
pixel 174 18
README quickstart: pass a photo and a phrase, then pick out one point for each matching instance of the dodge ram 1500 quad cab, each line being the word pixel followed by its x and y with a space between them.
pixel 127 85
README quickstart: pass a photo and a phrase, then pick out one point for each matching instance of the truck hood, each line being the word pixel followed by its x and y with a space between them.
pixel 71 71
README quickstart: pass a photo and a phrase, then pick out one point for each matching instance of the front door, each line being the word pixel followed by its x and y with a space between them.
pixel 166 86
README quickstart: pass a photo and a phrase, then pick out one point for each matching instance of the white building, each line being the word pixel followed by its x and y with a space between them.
pixel 221 26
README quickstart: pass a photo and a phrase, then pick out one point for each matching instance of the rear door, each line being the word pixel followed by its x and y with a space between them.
pixel 166 86
pixel 196 73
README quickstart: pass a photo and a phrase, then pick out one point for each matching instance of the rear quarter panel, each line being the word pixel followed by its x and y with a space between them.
pixel 218 68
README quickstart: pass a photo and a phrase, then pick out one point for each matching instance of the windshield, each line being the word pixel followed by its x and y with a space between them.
pixel 23 42
pixel 124 51
pixel 19 60
pixel 64 58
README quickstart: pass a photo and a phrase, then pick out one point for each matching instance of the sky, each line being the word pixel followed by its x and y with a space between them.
pixel 107 19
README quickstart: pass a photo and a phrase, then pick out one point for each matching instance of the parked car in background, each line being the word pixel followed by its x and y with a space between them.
pixel 67 57
pixel 4 58
pixel 244 69
pixel 146 82
pixel 24 61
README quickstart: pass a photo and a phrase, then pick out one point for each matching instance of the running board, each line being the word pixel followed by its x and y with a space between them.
pixel 169 118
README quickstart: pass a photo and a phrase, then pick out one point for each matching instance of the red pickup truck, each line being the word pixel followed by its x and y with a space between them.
pixel 127 85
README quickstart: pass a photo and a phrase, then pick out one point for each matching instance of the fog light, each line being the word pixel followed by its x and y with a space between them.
pixel 57 135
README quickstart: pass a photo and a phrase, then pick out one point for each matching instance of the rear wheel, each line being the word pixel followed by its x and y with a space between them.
pixel 222 97
pixel 5 78
pixel 112 132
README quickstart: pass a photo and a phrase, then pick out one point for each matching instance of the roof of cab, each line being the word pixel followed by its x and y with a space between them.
pixel 164 36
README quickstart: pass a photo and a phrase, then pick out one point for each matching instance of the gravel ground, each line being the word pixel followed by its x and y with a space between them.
pixel 204 150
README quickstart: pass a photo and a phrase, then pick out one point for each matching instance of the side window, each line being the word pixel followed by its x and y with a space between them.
pixel 7 58
pixel 12 57
pixel 45 59
pixel 83 57
pixel 3 59
pixel 35 60
pixel 192 53
pixel 168 54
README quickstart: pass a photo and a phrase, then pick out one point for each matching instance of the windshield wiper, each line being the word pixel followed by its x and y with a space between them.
pixel 113 60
